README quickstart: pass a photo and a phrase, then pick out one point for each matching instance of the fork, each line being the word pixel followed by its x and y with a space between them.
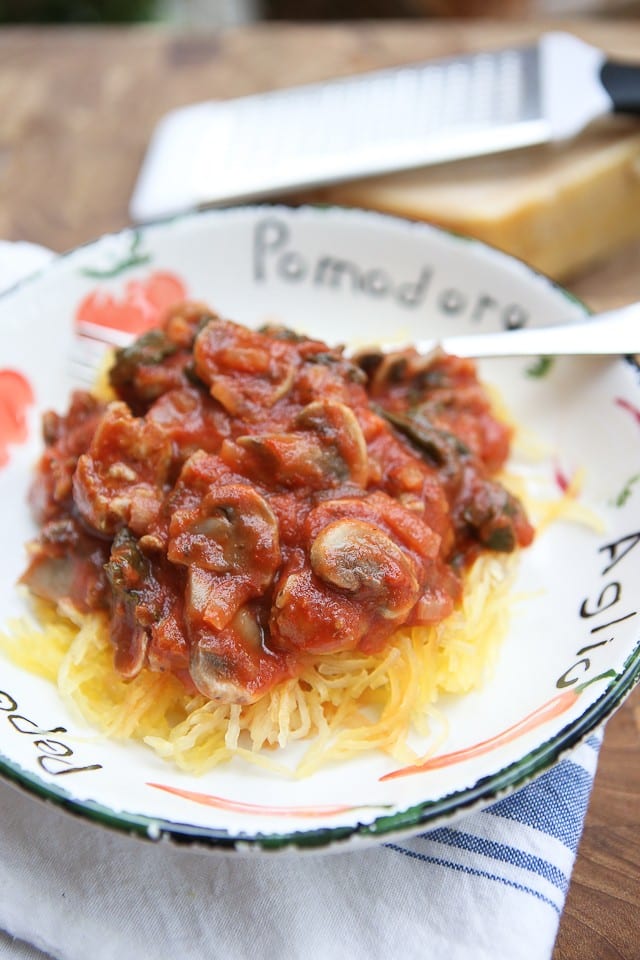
pixel 616 332
pixel 603 334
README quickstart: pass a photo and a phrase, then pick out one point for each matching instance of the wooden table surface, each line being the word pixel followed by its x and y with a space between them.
pixel 77 107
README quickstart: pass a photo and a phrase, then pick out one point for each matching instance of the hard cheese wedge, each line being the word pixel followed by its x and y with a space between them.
pixel 558 207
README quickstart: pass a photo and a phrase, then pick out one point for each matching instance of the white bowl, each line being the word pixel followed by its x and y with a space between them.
pixel 345 276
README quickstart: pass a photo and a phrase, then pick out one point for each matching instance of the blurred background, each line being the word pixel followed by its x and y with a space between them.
pixel 230 12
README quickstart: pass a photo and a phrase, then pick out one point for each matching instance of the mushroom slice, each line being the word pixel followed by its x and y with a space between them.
pixel 208 671
pixel 233 531
pixel 359 558
pixel 359 587
pixel 326 450
pixel 221 663
pixel 135 605
pixel 340 432
pixel 230 545
pixel 66 565
pixel 232 665
pixel 291 460
pixel 384 513
pixel 399 370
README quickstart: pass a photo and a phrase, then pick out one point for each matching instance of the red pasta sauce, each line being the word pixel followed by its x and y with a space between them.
pixel 254 499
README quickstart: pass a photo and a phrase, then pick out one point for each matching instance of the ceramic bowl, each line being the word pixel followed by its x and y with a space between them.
pixel 572 651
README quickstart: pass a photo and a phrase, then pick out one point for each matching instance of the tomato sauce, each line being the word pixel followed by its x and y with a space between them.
pixel 252 499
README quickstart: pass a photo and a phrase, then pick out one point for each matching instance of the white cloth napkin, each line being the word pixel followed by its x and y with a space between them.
pixel 490 886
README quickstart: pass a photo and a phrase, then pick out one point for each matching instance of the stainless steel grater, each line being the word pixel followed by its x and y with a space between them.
pixel 258 146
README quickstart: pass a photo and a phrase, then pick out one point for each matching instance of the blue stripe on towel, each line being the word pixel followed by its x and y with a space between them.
pixel 555 803
pixel 461 868
pixel 501 852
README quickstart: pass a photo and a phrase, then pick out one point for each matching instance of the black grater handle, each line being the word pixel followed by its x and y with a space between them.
pixel 622 83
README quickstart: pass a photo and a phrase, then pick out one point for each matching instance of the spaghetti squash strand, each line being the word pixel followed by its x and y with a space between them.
pixel 344 704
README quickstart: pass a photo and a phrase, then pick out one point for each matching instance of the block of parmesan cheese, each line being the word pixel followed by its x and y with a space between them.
pixel 558 207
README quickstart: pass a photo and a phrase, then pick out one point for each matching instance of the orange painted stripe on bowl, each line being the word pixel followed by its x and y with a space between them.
pixel 239 806
pixel 548 711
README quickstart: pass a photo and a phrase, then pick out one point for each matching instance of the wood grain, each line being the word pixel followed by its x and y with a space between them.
pixel 77 109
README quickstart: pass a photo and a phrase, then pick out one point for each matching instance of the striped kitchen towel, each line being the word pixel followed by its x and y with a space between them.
pixel 490 886
pixel 513 861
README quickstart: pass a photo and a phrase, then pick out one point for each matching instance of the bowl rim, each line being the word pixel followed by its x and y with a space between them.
pixel 403 823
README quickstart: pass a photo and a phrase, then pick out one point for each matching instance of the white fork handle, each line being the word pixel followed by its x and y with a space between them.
pixel 604 334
